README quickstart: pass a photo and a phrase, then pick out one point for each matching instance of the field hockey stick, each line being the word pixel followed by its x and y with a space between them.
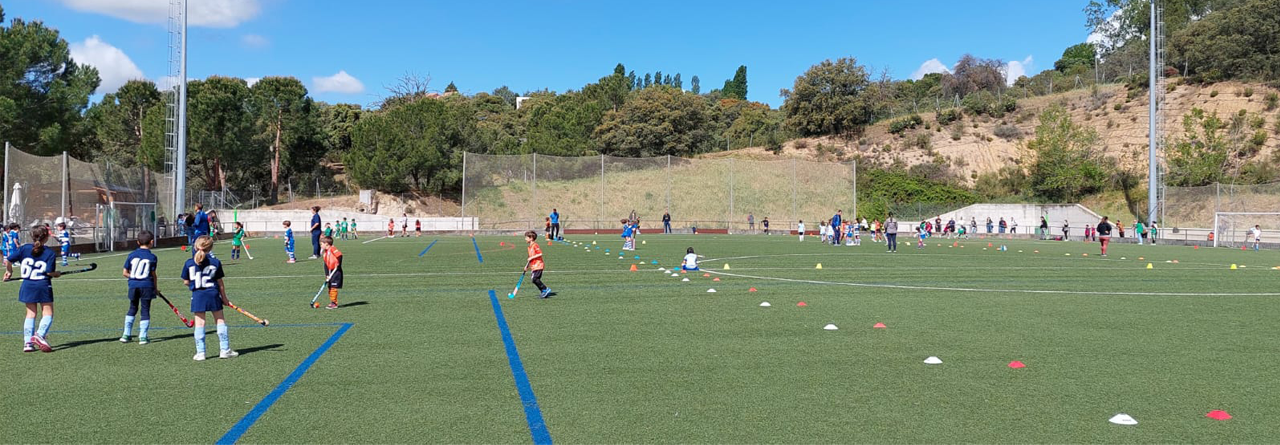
pixel 322 287
pixel 246 250
pixel 184 320
pixel 518 283
pixel 260 321
pixel 91 267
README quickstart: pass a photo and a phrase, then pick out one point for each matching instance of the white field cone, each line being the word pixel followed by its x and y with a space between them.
pixel 711 291
pixel 830 327
pixel 932 361
pixel 765 304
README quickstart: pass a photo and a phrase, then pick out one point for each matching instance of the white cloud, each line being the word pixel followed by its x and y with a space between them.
pixel 205 13
pixel 254 41
pixel 337 83
pixel 929 66
pixel 114 66
pixel 1015 69
pixel 252 80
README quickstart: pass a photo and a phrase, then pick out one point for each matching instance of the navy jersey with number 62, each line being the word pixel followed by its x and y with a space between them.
pixel 141 267
pixel 204 278
pixel 35 268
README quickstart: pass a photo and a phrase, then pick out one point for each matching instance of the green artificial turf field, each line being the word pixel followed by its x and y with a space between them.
pixel 620 356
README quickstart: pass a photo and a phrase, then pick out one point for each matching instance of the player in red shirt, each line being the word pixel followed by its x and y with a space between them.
pixel 536 264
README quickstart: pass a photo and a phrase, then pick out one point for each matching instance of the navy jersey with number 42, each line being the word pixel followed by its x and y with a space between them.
pixel 203 278
pixel 141 267
pixel 35 268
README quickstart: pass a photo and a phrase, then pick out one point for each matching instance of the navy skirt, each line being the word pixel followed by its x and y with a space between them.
pixel 206 301
pixel 37 292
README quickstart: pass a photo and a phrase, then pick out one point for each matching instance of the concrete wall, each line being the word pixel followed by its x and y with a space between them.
pixel 270 221
pixel 1027 216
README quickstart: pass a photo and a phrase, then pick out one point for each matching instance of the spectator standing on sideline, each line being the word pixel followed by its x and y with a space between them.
pixel 1104 234
pixel 973 225
pixel 1044 227
pixel 990 225
pixel 835 224
pixel 555 224
pixel 1139 232
pixel 666 222
pixel 751 222
pixel 1154 231
pixel 891 232
pixel 937 225
pixel 1004 225
pixel 1013 225
pixel 765 221
pixel 1066 229
pixel 315 232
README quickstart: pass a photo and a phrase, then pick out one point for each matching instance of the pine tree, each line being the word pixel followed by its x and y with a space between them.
pixel 648 79
pixel 620 70
pixel 667 80
pixel 695 86
pixel 677 82
pixel 657 77
pixel 451 88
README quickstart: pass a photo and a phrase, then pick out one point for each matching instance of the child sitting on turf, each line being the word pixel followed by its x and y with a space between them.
pixel 536 264
pixel 237 240
pixel 288 242
pixel 139 269
pixel 203 275
pixel 690 260
pixel 332 269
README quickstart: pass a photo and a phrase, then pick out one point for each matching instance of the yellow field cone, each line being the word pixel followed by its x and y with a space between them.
pixel 726 266
pixel 1149 266
pixel 820 266
pixel 644 242
pixel 593 243
pixel 1233 267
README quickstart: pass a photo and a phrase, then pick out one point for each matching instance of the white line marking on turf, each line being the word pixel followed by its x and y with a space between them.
pixel 1023 291
pixel 375 239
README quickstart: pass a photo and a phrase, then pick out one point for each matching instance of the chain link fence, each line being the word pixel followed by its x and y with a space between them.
pixel 517 192
pixel 1191 211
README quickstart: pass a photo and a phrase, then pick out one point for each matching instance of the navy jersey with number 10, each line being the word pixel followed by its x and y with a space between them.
pixel 141 267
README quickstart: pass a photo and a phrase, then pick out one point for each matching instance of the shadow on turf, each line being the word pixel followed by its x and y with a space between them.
pixel 270 347
pixel 353 304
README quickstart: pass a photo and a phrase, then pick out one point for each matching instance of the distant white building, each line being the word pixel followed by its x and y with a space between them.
pixel 520 101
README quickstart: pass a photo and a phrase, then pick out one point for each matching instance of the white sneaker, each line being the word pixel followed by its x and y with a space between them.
pixel 312 257
pixel 199 357
pixel 227 353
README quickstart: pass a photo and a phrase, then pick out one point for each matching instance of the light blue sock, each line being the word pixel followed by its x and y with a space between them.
pixel 199 333
pixel 128 325
pixel 45 321
pixel 143 327
pixel 224 342
pixel 28 328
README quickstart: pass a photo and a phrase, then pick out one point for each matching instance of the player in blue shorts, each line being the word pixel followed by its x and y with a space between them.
pixel 202 273
pixel 64 238
pixel 288 242
pixel 140 269
pixel 690 261
pixel 38 267
pixel 628 230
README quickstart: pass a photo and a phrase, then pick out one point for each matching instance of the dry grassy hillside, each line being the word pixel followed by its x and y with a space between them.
pixel 971 146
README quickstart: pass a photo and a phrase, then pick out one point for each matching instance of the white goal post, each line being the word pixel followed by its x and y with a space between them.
pixel 1231 229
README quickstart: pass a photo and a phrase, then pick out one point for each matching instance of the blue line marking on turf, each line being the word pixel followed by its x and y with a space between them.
pixel 532 414
pixel 261 408
pixel 424 251
pixel 478 257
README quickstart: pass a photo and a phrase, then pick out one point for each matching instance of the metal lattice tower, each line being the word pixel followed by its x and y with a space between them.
pixel 1156 85
pixel 175 99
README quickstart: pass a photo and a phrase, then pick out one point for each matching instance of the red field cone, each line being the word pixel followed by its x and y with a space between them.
pixel 1243 248
pixel 706 275
pixel 715 279
pixel 502 244
pixel 1218 415
pixel 1195 247
pixel 184 248
pixel 683 271
pixel 955 244
pixel 879 326
pixel 988 244
pixel 801 304
pixel 751 290
pixel 633 267
pixel 1016 364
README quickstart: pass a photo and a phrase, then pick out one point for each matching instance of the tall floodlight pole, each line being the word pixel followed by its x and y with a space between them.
pixel 1152 197
pixel 180 156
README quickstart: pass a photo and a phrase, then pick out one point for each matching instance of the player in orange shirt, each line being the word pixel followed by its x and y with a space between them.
pixel 332 269
pixel 536 264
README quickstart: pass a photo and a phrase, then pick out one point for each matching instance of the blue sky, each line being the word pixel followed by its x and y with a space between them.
pixel 555 44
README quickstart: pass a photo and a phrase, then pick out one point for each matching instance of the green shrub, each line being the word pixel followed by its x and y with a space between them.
pixel 1118 106
pixel 1213 93
pixel 904 124
pixel 1259 138
pixel 1257 122
pixel 1008 132
pixel 946 117
pixel 1248 92
pixel 1273 100
pixel 922 141
pixel 979 103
